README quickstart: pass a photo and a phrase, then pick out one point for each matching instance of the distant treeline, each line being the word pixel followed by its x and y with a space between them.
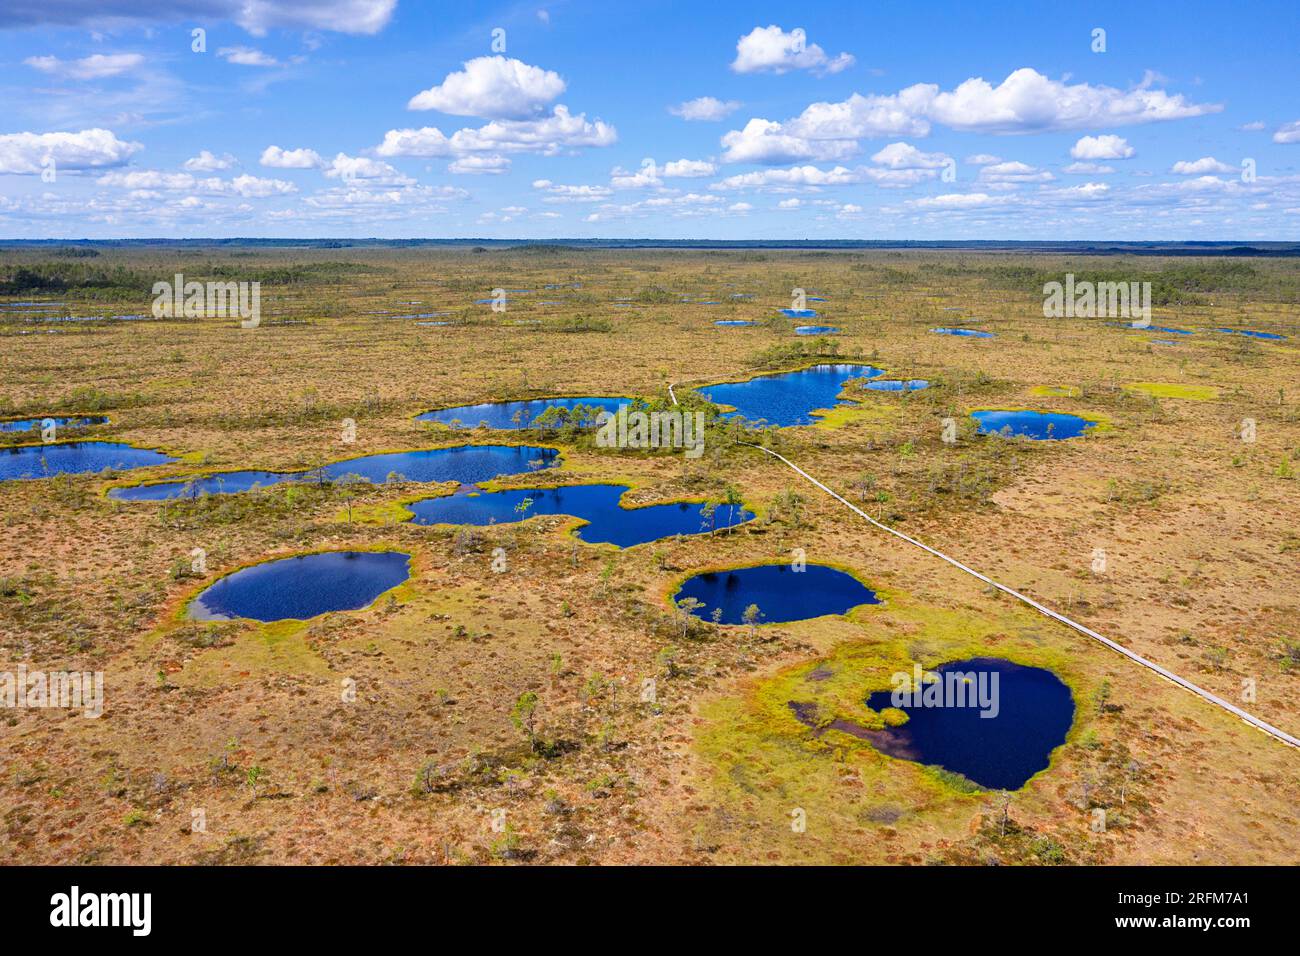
pixel 542 246
pixel 61 277
pixel 1179 284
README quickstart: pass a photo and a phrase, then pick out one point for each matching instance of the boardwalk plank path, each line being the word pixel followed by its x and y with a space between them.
pixel 1167 674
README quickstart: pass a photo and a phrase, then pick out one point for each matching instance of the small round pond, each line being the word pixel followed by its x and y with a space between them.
pixel 965 333
pixel 303 586
pixel 1040 426
pixel 780 592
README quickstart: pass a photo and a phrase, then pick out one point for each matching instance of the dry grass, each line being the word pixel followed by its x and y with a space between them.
pixel 247 722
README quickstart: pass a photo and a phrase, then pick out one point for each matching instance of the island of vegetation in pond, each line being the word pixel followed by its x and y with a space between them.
pixel 303 586
pixel 27 462
pixel 466 464
pixel 994 722
pixel 532 413
pixel 1040 426
pixel 608 521
pixel 788 398
pixel 780 592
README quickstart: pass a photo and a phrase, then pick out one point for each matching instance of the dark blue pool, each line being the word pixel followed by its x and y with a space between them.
pixel 896 385
pixel 1032 712
pixel 303 586
pixel 34 424
pixel 608 521
pixel 966 333
pixel 1154 328
pixel 463 463
pixel 799 313
pixel 781 593
pixel 511 415
pixel 43 461
pixel 1253 334
pixel 816 330
pixel 788 398
pixel 1040 426
pixel 734 323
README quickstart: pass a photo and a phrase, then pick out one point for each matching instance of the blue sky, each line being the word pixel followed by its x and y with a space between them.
pixel 674 120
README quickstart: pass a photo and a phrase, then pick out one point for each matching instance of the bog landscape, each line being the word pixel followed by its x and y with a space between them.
pixel 552 553
pixel 493 441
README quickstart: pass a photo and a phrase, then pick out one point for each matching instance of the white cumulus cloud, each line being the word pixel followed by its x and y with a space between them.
pixel 688 169
pixel 772 50
pixel 1202 166
pixel 1102 147
pixel 246 56
pixel 23 153
pixel 95 67
pixel 493 87
pixel 705 108
pixel 549 136
pixel 907 156
pixel 207 162
pixel 1288 133
pixel 479 165
pixel 1014 172
pixel 291 158
pixel 256 16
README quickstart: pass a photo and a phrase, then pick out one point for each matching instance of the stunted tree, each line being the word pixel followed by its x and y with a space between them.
pixel 347 487
pixel 708 512
pixel 1002 803
pixel 731 498
pixel 524 717
pixel 751 617
pixel 686 609
pixel 864 484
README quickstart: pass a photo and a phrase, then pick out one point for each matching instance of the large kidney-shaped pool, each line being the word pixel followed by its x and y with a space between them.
pixel 608 521
pixel 992 721
pixel 463 463
pixel 303 586
pixel 788 398
pixel 26 462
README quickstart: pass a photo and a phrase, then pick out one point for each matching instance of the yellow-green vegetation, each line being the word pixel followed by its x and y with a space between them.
pixel 520 667
pixel 768 760
pixel 1191 393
